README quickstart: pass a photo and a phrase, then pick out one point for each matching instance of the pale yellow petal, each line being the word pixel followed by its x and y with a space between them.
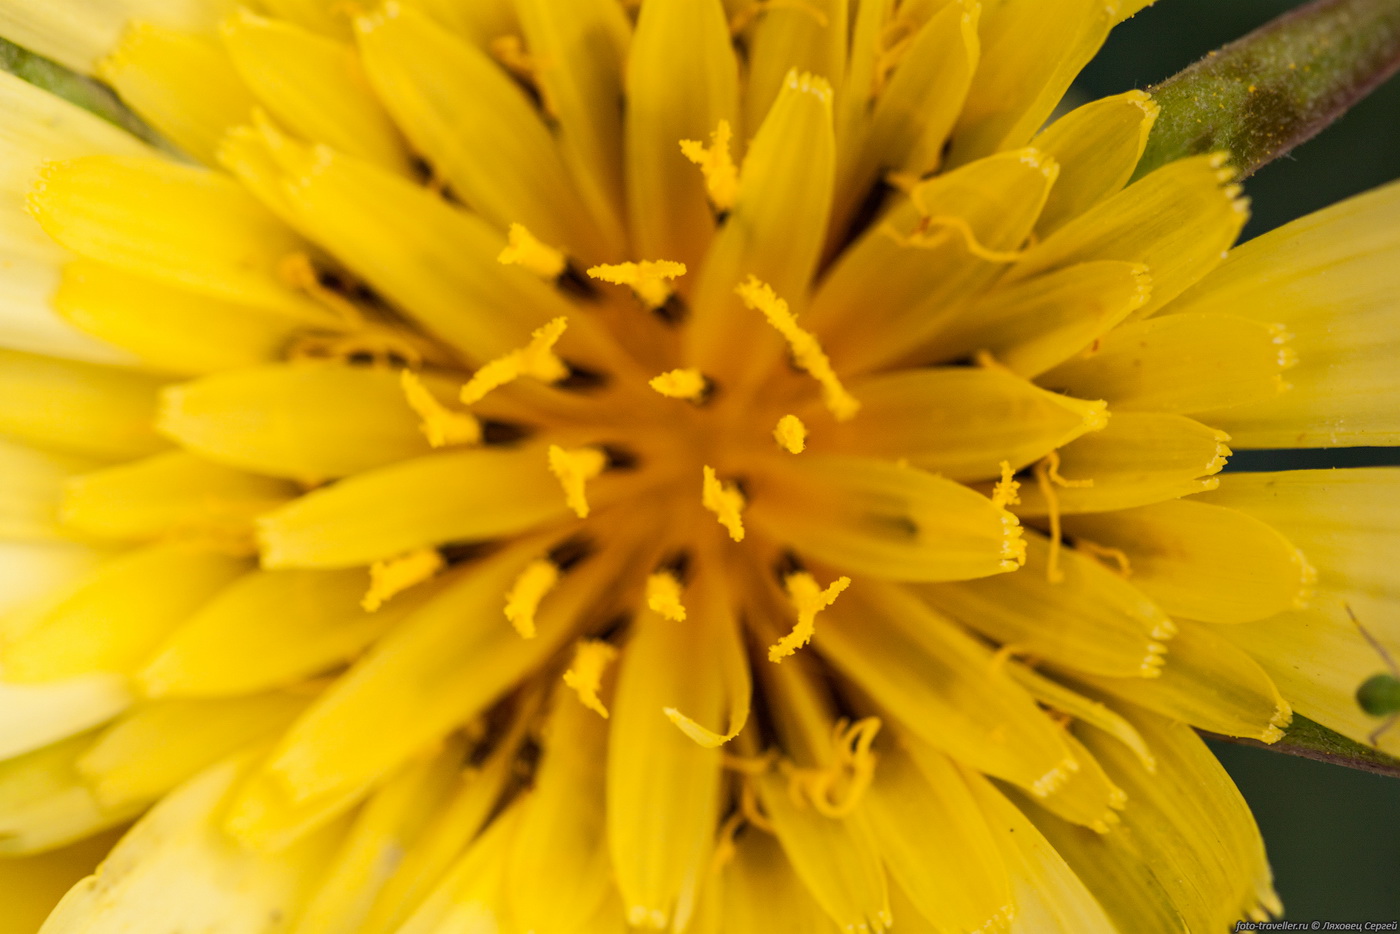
pixel 470 898
pixel 30 886
pixel 77 33
pixel 1331 280
pixel 31 488
pixel 1202 561
pixel 35 715
pixel 682 80
pixel 456 496
pixel 1209 684
pixel 1178 222
pixel 1099 145
pixel 181 83
pixel 993 415
pixel 44 802
pixel 177 224
pixel 1138 458
pixel 883 520
pixel 33 571
pixel 1089 619
pixel 178 871
pixel 306 421
pixel 157 747
pixel 75 407
pixel 1181 364
pixel 114 619
pixel 315 86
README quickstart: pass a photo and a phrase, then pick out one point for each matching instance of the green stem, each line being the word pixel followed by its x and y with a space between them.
pixel 1314 741
pixel 77 89
pixel 1279 86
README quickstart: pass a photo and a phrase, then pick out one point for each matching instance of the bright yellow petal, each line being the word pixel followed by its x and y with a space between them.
pixel 77 33
pixel 811 38
pixel 31 487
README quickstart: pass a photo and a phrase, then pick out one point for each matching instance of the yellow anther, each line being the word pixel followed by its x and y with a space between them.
pixel 585 675
pixel 387 578
pixel 441 425
pixel 725 501
pixel 681 384
pixel 808 599
pixel 717 164
pixel 1006 491
pixel 574 469
pixel 648 279
pixel 806 351
pixel 296 270
pixel 536 359
pixel 932 231
pixel 538 579
pixel 664 595
pixel 524 249
pixel 791 434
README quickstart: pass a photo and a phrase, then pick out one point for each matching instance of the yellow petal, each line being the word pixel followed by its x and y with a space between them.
pixel 169 329
pixel 478 22
pixel 958 421
pixel 1331 279
pixel 77 407
pixel 883 520
pixel 1209 684
pixel 35 715
pixel 156 747
pixel 1188 856
pixel 458 496
pixel 1031 53
pixel 1139 458
pixel 315 86
pixel 30 886
pixel 1030 326
pixel 935 679
pixel 1055 696
pixel 662 787
pixel 268 629
pixel 1049 897
pixel 1099 145
pixel 935 842
pixel 177 868
pixel 1181 364
pixel 174 494
pixel 77 33
pixel 714 613
pixel 437 670
pixel 182 84
pixel 759 891
pixel 30 572
pixel 1204 562
pixel 436 262
pixel 113 620
pixel 471 896
pixel 579 50
pixel 475 125
pixel 682 80
pixel 809 37
pixel 774 231
pixel 391 822
pixel 557 874
pixel 1089 620
pixel 1178 221
pixel 31 487
pixel 308 421
pixel 44 802
pixel 177 224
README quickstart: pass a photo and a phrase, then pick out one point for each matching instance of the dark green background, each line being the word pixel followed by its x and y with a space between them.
pixel 1333 834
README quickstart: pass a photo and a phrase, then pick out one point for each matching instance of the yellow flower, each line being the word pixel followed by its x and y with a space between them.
pixel 717 467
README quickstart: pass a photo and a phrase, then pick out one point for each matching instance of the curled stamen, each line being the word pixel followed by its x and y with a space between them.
pixel 523 599
pixel 853 762
pixel 387 578
pixel 585 675
pixel 931 231
pixel 524 249
pixel 717 164
pixel 441 425
pixel 1053 574
pixel 806 351
pixel 536 359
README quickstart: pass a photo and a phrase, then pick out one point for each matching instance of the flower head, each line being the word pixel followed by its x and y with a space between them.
pixel 545 466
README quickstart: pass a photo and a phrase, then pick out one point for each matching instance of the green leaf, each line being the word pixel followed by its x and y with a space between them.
pixel 1279 86
pixel 77 89
pixel 1314 741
